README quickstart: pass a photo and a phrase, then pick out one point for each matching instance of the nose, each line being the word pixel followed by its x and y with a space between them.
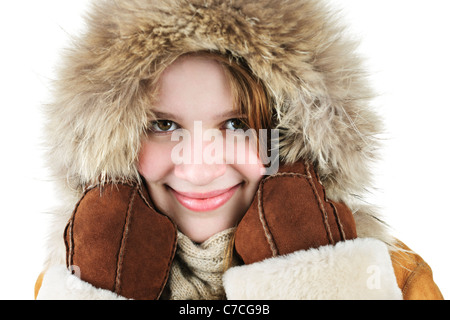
pixel 199 174
pixel 195 168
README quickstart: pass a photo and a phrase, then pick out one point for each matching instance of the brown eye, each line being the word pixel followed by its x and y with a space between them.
pixel 163 126
pixel 235 124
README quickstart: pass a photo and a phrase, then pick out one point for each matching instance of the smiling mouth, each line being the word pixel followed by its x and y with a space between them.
pixel 202 202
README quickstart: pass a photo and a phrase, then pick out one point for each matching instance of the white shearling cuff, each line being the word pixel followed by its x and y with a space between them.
pixel 351 270
pixel 60 284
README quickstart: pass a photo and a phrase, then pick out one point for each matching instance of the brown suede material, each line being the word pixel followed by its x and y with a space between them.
pixel 120 243
pixel 291 212
pixel 414 275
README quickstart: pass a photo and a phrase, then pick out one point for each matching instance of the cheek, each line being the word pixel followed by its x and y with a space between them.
pixel 253 173
pixel 251 168
pixel 155 160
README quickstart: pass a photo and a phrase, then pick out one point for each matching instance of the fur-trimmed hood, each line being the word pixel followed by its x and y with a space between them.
pixel 100 109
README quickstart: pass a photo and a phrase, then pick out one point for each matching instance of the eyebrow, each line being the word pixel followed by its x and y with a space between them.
pixel 226 115
pixel 165 115
pixel 229 115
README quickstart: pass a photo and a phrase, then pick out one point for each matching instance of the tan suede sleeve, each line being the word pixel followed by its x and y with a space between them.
pixel 414 275
pixel 38 284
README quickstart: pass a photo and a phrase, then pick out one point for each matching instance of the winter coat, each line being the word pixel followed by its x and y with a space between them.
pixel 322 103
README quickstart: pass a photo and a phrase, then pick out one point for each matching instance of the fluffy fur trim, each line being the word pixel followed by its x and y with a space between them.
pixel 60 284
pixel 351 270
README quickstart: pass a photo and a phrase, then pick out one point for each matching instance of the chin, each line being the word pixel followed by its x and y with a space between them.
pixel 201 229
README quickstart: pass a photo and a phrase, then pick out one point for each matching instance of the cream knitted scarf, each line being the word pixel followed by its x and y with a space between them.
pixel 197 269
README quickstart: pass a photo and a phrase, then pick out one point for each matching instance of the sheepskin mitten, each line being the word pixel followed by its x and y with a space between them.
pixel 291 212
pixel 118 242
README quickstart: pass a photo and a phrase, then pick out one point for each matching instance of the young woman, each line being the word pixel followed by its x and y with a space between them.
pixel 218 150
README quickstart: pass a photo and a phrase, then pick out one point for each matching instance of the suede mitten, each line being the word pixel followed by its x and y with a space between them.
pixel 118 242
pixel 291 212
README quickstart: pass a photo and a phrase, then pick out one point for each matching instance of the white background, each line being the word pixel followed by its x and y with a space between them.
pixel 406 46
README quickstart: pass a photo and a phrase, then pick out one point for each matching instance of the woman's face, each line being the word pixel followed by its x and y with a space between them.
pixel 202 197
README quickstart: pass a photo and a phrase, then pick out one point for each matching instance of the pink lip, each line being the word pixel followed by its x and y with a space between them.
pixel 202 202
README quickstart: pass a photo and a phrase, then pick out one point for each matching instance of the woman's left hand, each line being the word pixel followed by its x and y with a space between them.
pixel 291 212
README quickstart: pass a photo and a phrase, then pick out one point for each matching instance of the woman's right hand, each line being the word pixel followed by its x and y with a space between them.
pixel 115 240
